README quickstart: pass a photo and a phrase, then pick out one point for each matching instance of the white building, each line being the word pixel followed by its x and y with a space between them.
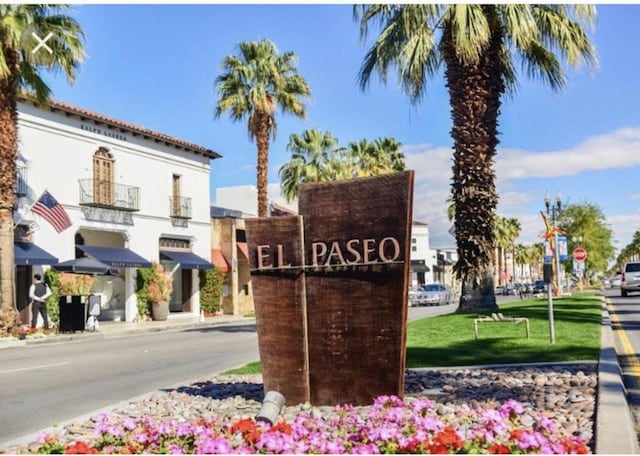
pixel 244 198
pixel 423 258
pixel 133 195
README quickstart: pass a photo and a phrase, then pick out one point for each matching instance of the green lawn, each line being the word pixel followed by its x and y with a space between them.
pixel 448 340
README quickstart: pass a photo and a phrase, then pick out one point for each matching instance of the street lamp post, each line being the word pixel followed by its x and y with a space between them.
pixel 554 212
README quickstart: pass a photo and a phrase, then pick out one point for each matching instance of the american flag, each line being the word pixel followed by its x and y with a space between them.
pixel 49 209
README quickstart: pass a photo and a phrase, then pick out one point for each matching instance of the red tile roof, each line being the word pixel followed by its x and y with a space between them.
pixel 125 126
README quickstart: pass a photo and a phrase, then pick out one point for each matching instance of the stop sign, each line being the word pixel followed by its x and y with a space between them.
pixel 579 254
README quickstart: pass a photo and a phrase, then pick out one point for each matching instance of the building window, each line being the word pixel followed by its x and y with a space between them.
pixel 174 243
pixel 413 240
pixel 103 163
pixel 414 248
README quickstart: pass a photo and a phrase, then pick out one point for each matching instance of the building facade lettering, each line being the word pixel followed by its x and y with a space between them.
pixel 103 132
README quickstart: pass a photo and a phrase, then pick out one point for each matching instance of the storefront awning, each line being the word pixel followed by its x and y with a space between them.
pixel 419 268
pixel 27 254
pixel 219 261
pixel 118 257
pixel 243 248
pixel 187 260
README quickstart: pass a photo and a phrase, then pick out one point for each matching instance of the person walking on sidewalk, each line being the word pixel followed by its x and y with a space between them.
pixel 38 293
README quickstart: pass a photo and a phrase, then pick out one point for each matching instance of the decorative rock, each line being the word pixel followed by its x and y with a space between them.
pixel 564 393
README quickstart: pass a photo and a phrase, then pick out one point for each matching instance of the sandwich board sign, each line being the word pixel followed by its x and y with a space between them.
pixel 330 291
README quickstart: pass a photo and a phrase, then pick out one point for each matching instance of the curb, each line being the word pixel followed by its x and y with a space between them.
pixel 615 433
pixel 125 331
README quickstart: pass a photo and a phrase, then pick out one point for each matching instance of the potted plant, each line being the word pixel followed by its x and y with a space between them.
pixel 159 288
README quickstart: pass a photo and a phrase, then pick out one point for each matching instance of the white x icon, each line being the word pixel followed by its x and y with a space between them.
pixel 41 43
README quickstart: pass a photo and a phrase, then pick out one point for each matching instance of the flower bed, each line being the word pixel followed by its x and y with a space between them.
pixel 392 425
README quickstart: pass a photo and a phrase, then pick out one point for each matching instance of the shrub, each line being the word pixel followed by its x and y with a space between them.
pixel 211 281
pixel 52 279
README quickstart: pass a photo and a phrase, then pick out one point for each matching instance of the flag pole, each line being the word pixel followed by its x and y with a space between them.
pixel 29 210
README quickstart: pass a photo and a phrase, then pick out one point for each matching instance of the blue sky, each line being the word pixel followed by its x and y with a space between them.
pixel 155 66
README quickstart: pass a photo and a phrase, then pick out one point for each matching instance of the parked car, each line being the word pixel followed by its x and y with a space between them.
pixel 509 290
pixel 616 280
pixel 630 281
pixel 433 294
pixel 539 286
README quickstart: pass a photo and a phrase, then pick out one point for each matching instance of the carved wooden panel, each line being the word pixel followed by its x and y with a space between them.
pixel 278 297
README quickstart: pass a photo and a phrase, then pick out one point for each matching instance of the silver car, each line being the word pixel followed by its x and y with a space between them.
pixel 432 294
pixel 630 278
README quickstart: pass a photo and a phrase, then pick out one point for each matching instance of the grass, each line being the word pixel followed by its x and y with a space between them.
pixel 449 340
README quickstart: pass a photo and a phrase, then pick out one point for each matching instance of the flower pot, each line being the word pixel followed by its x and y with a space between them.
pixel 160 310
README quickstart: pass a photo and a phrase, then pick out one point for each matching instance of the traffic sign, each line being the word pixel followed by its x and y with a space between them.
pixel 580 254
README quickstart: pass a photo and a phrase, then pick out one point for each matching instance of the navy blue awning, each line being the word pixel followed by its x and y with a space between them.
pixel 27 254
pixel 187 260
pixel 118 257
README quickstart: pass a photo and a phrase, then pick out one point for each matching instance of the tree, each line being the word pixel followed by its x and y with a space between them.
pixel 313 160
pixel 587 221
pixel 21 62
pixel 478 46
pixel 252 86
pixel 316 157
pixel 381 156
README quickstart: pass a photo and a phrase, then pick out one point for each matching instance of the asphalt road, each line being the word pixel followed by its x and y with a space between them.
pixel 44 384
pixel 625 319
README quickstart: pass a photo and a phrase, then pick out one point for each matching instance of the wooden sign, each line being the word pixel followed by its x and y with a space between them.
pixel 330 291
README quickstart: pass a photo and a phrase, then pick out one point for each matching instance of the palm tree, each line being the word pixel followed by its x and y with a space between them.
pixel 21 61
pixel 252 86
pixel 478 46
pixel 313 160
pixel 316 158
pixel 513 228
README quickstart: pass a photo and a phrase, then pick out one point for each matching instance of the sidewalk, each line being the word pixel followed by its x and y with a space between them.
pixel 123 329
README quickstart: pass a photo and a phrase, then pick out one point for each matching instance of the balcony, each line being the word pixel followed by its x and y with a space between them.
pixel 22 187
pixel 109 195
pixel 180 207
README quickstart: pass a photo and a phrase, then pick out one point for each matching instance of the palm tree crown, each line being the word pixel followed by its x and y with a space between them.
pixel 252 86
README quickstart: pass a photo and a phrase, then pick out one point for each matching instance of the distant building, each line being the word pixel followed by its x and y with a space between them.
pixel 230 253
pixel 244 198
pixel 422 257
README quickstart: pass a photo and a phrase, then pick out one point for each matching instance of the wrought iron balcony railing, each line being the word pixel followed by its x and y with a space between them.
pixel 109 195
pixel 180 207
pixel 22 186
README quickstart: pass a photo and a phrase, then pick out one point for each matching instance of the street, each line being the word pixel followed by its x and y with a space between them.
pixel 44 384
pixel 625 320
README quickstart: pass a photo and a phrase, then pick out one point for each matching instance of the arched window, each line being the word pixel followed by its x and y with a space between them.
pixel 103 163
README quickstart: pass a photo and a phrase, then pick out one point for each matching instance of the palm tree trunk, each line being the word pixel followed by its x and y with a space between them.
pixel 262 123
pixel 8 157
pixel 474 92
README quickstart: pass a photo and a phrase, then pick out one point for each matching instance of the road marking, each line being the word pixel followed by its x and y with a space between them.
pixel 41 366
pixel 627 347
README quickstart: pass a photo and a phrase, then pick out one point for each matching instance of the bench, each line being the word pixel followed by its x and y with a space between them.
pixel 499 318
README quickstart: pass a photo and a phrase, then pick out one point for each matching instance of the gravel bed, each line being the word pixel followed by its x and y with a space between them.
pixel 566 393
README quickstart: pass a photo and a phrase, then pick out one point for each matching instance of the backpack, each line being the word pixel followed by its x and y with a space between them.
pixel 40 289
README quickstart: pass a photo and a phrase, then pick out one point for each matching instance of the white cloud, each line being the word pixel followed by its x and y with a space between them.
pixel 619 149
